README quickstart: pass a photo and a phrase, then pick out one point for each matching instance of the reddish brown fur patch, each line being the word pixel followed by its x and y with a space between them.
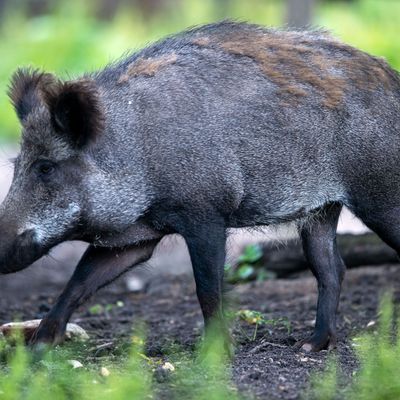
pixel 147 66
pixel 202 41
pixel 290 65
pixel 297 64
pixel 364 70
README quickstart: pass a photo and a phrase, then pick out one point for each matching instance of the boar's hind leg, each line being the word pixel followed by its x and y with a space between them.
pixel 384 220
pixel 98 267
pixel 319 242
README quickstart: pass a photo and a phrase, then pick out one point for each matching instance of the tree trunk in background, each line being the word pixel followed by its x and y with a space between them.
pixel 150 8
pixel 3 4
pixel 107 9
pixel 37 7
pixel 300 13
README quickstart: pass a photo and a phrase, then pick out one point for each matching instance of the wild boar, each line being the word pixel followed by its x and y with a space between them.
pixel 221 126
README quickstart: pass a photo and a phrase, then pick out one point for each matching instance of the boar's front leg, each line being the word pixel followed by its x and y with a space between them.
pixel 319 242
pixel 206 244
pixel 98 267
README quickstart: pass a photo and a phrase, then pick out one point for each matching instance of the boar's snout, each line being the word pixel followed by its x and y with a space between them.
pixel 17 250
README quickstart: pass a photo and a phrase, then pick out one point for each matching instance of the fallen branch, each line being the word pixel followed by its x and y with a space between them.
pixel 356 251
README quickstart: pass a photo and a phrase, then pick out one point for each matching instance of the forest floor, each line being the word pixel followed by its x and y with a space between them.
pixel 265 366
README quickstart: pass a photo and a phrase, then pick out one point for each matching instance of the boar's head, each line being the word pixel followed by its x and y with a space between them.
pixel 44 205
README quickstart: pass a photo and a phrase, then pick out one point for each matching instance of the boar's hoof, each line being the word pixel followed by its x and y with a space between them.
pixel 317 343
pixel 51 333
pixel 228 342
pixel 48 332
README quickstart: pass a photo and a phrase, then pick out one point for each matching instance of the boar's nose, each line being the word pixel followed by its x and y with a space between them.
pixel 17 251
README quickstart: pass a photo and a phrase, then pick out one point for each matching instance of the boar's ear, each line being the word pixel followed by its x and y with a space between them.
pixel 25 88
pixel 75 110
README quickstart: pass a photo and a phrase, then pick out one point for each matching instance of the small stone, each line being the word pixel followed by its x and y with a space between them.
pixel 168 366
pixel 75 364
pixel 371 323
pixel 104 372
pixel 74 331
pixel 135 284
pixel 307 347
pixel 304 359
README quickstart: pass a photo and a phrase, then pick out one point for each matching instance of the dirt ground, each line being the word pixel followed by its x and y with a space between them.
pixel 267 367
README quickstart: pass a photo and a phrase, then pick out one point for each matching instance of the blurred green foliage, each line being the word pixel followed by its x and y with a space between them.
pixel 70 40
pixel 71 372
pixel 249 266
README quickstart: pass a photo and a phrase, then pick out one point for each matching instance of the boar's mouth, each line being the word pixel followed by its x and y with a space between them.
pixel 21 252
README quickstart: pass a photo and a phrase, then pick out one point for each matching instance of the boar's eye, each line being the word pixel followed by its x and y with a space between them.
pixel 44 168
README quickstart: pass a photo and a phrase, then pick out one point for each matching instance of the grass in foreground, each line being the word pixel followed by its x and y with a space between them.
pixel 379 356
pixel 66 373
pixel 202 374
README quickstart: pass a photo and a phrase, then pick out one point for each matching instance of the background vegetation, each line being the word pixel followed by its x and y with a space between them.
pixel 69 36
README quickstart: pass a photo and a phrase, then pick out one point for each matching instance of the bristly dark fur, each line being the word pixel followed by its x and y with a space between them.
pixel 75 110
pixel 25 87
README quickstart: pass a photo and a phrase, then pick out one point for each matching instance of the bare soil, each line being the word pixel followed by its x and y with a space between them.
pixel 265 368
